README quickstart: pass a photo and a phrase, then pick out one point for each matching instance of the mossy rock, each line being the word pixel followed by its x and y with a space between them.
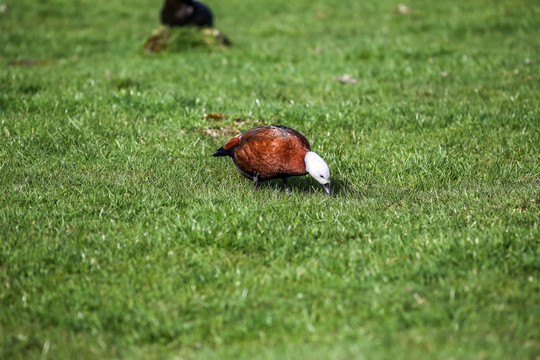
pixel 177 39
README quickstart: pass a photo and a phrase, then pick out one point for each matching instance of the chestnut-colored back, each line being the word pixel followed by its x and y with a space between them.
pixel 269 152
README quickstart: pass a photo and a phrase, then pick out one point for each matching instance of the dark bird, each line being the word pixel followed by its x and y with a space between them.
pixel 275 152
pixel 186 12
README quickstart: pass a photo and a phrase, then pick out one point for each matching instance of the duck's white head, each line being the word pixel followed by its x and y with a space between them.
pixel 316 167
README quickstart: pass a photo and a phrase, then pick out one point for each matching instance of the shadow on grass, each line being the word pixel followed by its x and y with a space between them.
pixel 306 185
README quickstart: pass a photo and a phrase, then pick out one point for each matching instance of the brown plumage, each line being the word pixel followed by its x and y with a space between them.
pixel 274 152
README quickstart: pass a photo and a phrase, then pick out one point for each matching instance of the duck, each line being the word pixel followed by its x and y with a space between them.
pixel 275 152
pixel 186 12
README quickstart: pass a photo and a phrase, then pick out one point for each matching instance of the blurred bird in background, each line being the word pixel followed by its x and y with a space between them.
pixel 186 12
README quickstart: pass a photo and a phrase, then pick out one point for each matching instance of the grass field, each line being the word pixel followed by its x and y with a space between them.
pixel 121 237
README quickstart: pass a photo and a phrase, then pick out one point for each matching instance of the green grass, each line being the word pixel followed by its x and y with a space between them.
pixel 121 237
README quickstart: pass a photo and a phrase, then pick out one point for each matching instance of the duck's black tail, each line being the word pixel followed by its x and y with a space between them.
pixel 221 152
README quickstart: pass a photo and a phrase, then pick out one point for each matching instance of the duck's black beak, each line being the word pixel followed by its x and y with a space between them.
pixel 327 188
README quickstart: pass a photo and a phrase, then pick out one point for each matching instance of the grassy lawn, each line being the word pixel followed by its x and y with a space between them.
pixel 122 237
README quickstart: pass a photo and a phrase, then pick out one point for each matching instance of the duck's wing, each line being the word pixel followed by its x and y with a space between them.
pixel 227 149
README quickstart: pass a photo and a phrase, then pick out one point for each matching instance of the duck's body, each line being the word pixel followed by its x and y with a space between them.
pixel 274 152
